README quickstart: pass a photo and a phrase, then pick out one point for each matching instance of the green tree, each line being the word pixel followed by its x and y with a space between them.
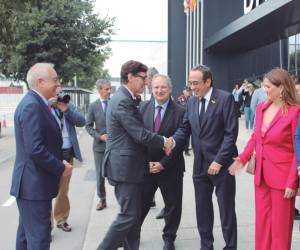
pixel 64 32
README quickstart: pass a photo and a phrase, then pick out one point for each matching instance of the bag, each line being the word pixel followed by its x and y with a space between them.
pixel 297 203
pixel 251 164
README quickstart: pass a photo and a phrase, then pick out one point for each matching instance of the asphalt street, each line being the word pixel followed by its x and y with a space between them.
pixel 89 225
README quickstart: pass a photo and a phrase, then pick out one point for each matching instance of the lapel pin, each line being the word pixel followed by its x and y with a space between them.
pixel 213 101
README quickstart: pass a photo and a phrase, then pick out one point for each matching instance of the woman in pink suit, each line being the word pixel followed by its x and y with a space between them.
pixel 275 179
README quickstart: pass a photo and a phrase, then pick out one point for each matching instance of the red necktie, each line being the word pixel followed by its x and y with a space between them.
pixel 49 108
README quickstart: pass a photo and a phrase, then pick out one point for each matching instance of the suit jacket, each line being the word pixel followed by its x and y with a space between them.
pixel 125 154
pixel 216 138
pixel 297 142
pixel 96 124
pixel 275 153
pixel 173 164
pixel 74 119
pixel 38 165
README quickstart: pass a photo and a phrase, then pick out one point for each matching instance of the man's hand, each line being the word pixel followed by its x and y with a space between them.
pixel 103 137
pixel 214 168
pixel 53 99
pixel 155 167
pixel 68 169
pixel 289 193
pixel 169 145
pixel 62 106
pixel 236 166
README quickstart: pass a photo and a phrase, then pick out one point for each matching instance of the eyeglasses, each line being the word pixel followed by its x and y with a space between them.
pixel 193 83
pixel 143 77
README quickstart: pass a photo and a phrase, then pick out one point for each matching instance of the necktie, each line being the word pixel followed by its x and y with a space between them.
pixel 105 103
pixel 49 107
pixel 157 119
pixel 202 110
pixel 137 100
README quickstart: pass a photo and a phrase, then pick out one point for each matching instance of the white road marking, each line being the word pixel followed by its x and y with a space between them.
pixel 9 202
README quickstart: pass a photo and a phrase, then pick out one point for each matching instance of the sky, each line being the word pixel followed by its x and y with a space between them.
pixel 136 19
pixel 141 32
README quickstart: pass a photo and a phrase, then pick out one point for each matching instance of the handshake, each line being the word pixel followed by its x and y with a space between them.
pixel 169 145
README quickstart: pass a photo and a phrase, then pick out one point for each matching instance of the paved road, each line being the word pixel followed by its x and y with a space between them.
pixel 82 190
pixel 90 225
pixel 188 238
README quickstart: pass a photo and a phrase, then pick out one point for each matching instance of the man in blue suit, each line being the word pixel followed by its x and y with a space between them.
pixel 67 117
pixel 212 120
pixel 38 165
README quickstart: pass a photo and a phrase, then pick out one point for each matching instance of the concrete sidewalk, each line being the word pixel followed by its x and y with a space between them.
pixel 188 237
pixel 7 141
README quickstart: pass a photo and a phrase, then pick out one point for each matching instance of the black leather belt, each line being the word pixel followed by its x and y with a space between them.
pixel 68 153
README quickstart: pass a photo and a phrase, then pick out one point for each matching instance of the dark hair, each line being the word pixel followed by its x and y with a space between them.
pixel 131 67
pixel 207 74
pixel 187 88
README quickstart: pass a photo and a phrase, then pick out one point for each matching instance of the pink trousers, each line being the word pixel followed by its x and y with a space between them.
pixel 274 219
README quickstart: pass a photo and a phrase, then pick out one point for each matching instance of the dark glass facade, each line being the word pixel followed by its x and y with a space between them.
pixel 240 39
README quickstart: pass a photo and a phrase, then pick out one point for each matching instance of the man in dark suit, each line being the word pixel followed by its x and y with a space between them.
pixel 163 116
pixel 212 121
pixel 125 156
pixel 38 165
pixel 96 127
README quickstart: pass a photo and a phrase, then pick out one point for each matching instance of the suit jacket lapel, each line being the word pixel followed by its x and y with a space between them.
pixel 99 104
pixel 193 112
pixel 167 116
pixel 275 119
pixel 44 106
pixel 149 114
pixel 212 105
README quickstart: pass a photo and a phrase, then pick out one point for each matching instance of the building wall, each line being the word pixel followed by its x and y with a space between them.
pixel 176 46
pixel 219 13
pixel 232 68
pixel 8 104
pixel 236 45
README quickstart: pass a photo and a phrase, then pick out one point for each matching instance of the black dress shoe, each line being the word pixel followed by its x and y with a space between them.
pixel 169 245
pixel 65 227
pixel 161 214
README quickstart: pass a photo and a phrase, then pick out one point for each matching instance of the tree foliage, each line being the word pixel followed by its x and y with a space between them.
pixel 64 32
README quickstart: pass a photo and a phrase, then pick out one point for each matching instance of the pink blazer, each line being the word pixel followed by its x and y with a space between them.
pixel 275 152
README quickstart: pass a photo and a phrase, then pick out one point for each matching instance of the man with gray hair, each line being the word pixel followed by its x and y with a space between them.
pixel 96 127
pixel 163 116
pixel 152 71
pixel 39 164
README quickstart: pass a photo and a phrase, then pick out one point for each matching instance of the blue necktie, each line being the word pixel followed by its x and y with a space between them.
pixel 105 103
